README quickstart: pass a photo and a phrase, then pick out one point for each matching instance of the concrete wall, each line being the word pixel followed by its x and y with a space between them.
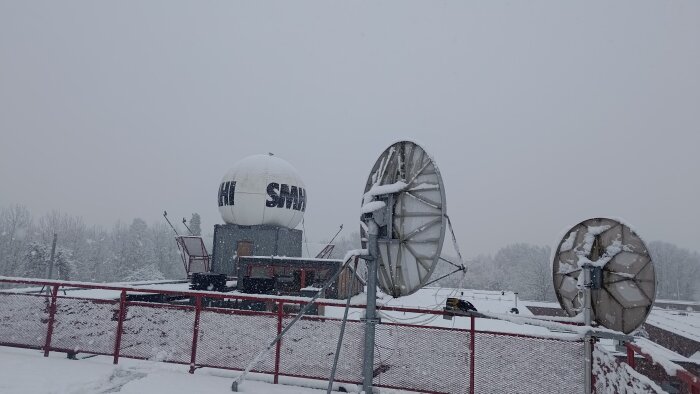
pixel 267 241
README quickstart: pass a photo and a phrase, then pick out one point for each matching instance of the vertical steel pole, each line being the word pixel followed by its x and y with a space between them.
pixel 120 326
pixel 588 340
pixel 371 311
pixel 195 331
pixel 52 317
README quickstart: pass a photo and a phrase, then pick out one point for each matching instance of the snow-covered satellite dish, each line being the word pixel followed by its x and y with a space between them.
pixel 262 189
pixel 627 287
pixel 407 182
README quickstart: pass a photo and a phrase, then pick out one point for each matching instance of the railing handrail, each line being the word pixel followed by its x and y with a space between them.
pixel 208 294
pixel 683 374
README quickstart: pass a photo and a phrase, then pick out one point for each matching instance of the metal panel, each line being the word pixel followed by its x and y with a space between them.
pixel 267 241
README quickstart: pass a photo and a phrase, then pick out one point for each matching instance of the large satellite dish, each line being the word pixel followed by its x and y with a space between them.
pixel 405 195
pixel 623 283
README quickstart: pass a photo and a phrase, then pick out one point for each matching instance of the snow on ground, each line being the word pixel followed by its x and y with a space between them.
pixel 434 298
pixel 28 372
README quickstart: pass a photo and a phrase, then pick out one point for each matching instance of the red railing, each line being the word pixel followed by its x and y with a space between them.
pixel 691 381
pixel 196 329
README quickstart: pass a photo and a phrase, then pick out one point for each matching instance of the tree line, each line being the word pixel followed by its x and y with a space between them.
pixel 526 269
pixel 138 251
pixel 124 252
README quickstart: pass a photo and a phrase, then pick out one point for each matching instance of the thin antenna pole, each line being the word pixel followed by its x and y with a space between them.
pixel 336 234
pixel 371 311
pixel 236 383
pixel 184 221
pixel 588 340
pixel 342 331
pixel 165 215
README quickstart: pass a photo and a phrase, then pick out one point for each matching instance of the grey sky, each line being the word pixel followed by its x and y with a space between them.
pixel 539 114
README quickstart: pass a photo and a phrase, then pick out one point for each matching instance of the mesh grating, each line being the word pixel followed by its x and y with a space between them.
pixel 23 319
pixel 422 358
pixel 516 364
pixel 85 325
pixel 309 347
pixel 158 332
pixel 416 358
pixel 232 339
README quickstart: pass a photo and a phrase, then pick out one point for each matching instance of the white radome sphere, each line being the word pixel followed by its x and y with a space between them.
pixel 262 189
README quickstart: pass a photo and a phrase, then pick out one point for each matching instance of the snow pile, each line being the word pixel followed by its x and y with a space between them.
pixel 378 190
pixel 372 206
pixel 584 251
pixel 612 377
pixel 669 366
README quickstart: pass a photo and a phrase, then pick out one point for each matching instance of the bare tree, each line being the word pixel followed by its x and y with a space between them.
pixel 677 271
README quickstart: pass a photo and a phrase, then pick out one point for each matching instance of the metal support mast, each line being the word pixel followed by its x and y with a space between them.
pixel 587 319
pixel 371 319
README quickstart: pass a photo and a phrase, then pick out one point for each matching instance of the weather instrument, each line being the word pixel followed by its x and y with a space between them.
pixel 404 197
pixel 603 270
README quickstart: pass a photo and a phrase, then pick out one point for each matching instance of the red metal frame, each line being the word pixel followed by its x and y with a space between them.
pixel 198 307
pixel 195 331
pixel 187 258
pixel 630 357
pixel 120 326
pixel 278 349
pixel 52 317
pixel 686 377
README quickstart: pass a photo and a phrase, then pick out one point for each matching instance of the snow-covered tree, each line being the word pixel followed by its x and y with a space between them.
pixel 38 260
pixel 526 269
pixel 15 235
pixel 677 271
pixel 196 224
pixel 167 258
pixel 148 272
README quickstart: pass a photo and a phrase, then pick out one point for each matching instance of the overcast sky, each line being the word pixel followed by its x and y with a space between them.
pixel 538 113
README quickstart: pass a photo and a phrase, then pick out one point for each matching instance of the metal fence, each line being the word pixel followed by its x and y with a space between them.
pixel 193 331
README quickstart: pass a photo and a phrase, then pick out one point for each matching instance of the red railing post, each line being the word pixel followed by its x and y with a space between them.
pixel 120 326
pixel 472 334
pixel 52 317
pixel 278 348
pixel 195 333
pixel 630 356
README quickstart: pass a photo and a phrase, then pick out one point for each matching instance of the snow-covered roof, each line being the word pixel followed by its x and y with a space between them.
pixel 686 324
pixel 285 258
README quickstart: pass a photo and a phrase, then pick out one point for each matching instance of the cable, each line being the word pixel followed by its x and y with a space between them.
pixel 427 318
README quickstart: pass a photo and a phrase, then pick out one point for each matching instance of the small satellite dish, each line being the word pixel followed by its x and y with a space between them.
pixel 623 282
pixel 405 195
